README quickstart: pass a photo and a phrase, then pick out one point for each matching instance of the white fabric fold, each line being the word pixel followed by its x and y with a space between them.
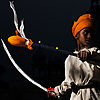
pixel 21 30
pixel 81 74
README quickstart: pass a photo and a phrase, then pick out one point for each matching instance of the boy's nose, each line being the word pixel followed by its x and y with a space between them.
pixel 88 35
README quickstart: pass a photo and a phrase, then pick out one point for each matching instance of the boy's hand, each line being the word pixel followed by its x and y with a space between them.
pixel 83 55
pixel 51 92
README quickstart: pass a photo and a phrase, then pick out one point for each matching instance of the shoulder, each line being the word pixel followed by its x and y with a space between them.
pixel 94 49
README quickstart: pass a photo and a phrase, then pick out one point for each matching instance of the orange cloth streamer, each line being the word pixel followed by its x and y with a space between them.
pixel 83 21
pixel 19 41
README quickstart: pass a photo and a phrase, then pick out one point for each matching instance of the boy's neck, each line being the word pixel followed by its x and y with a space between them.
pixel 79 47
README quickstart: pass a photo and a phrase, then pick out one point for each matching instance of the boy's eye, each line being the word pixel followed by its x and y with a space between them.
pixel 85 32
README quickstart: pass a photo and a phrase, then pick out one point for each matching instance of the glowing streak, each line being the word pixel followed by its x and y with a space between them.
pixel 20 70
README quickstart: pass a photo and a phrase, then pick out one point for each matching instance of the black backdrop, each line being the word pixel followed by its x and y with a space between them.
pixel 49 21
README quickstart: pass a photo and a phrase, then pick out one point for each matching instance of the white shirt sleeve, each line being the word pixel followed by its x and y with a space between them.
pixel 75 71
pixel 78 72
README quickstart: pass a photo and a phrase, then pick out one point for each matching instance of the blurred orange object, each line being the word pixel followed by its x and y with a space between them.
pixel 20 41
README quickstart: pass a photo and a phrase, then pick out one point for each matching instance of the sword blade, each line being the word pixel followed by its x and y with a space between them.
pixel 20 70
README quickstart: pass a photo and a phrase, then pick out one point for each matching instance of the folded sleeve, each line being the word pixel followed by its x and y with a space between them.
pixel 77 72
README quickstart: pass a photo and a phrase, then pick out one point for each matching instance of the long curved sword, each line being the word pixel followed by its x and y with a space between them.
pixel 20 70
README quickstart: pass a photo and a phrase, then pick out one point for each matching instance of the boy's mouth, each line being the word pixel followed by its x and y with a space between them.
pixel 88 42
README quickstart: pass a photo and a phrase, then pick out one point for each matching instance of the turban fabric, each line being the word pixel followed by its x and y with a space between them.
pixel 19 41
pixel 16 40
pixel 83 21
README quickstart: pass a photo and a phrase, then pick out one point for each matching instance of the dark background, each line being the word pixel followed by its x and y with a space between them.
pixel 49 21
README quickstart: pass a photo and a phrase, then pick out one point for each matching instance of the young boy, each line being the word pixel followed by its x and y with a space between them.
pixel 82 71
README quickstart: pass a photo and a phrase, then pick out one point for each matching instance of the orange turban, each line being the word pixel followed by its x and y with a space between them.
pixel 83 21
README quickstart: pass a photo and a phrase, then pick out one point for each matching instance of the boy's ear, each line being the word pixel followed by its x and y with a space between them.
pixel 77 36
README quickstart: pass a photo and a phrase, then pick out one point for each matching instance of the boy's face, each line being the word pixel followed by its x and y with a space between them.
pixel 85 37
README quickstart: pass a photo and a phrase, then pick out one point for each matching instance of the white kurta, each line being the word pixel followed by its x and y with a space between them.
pixel 81 73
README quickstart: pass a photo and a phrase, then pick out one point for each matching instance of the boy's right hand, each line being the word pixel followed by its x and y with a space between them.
pixel 83 55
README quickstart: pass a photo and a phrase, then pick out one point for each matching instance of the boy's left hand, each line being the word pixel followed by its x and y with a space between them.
pixel 51 92
pixel 83 55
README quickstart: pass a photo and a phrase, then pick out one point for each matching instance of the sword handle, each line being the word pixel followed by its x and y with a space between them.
pixel 52 93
